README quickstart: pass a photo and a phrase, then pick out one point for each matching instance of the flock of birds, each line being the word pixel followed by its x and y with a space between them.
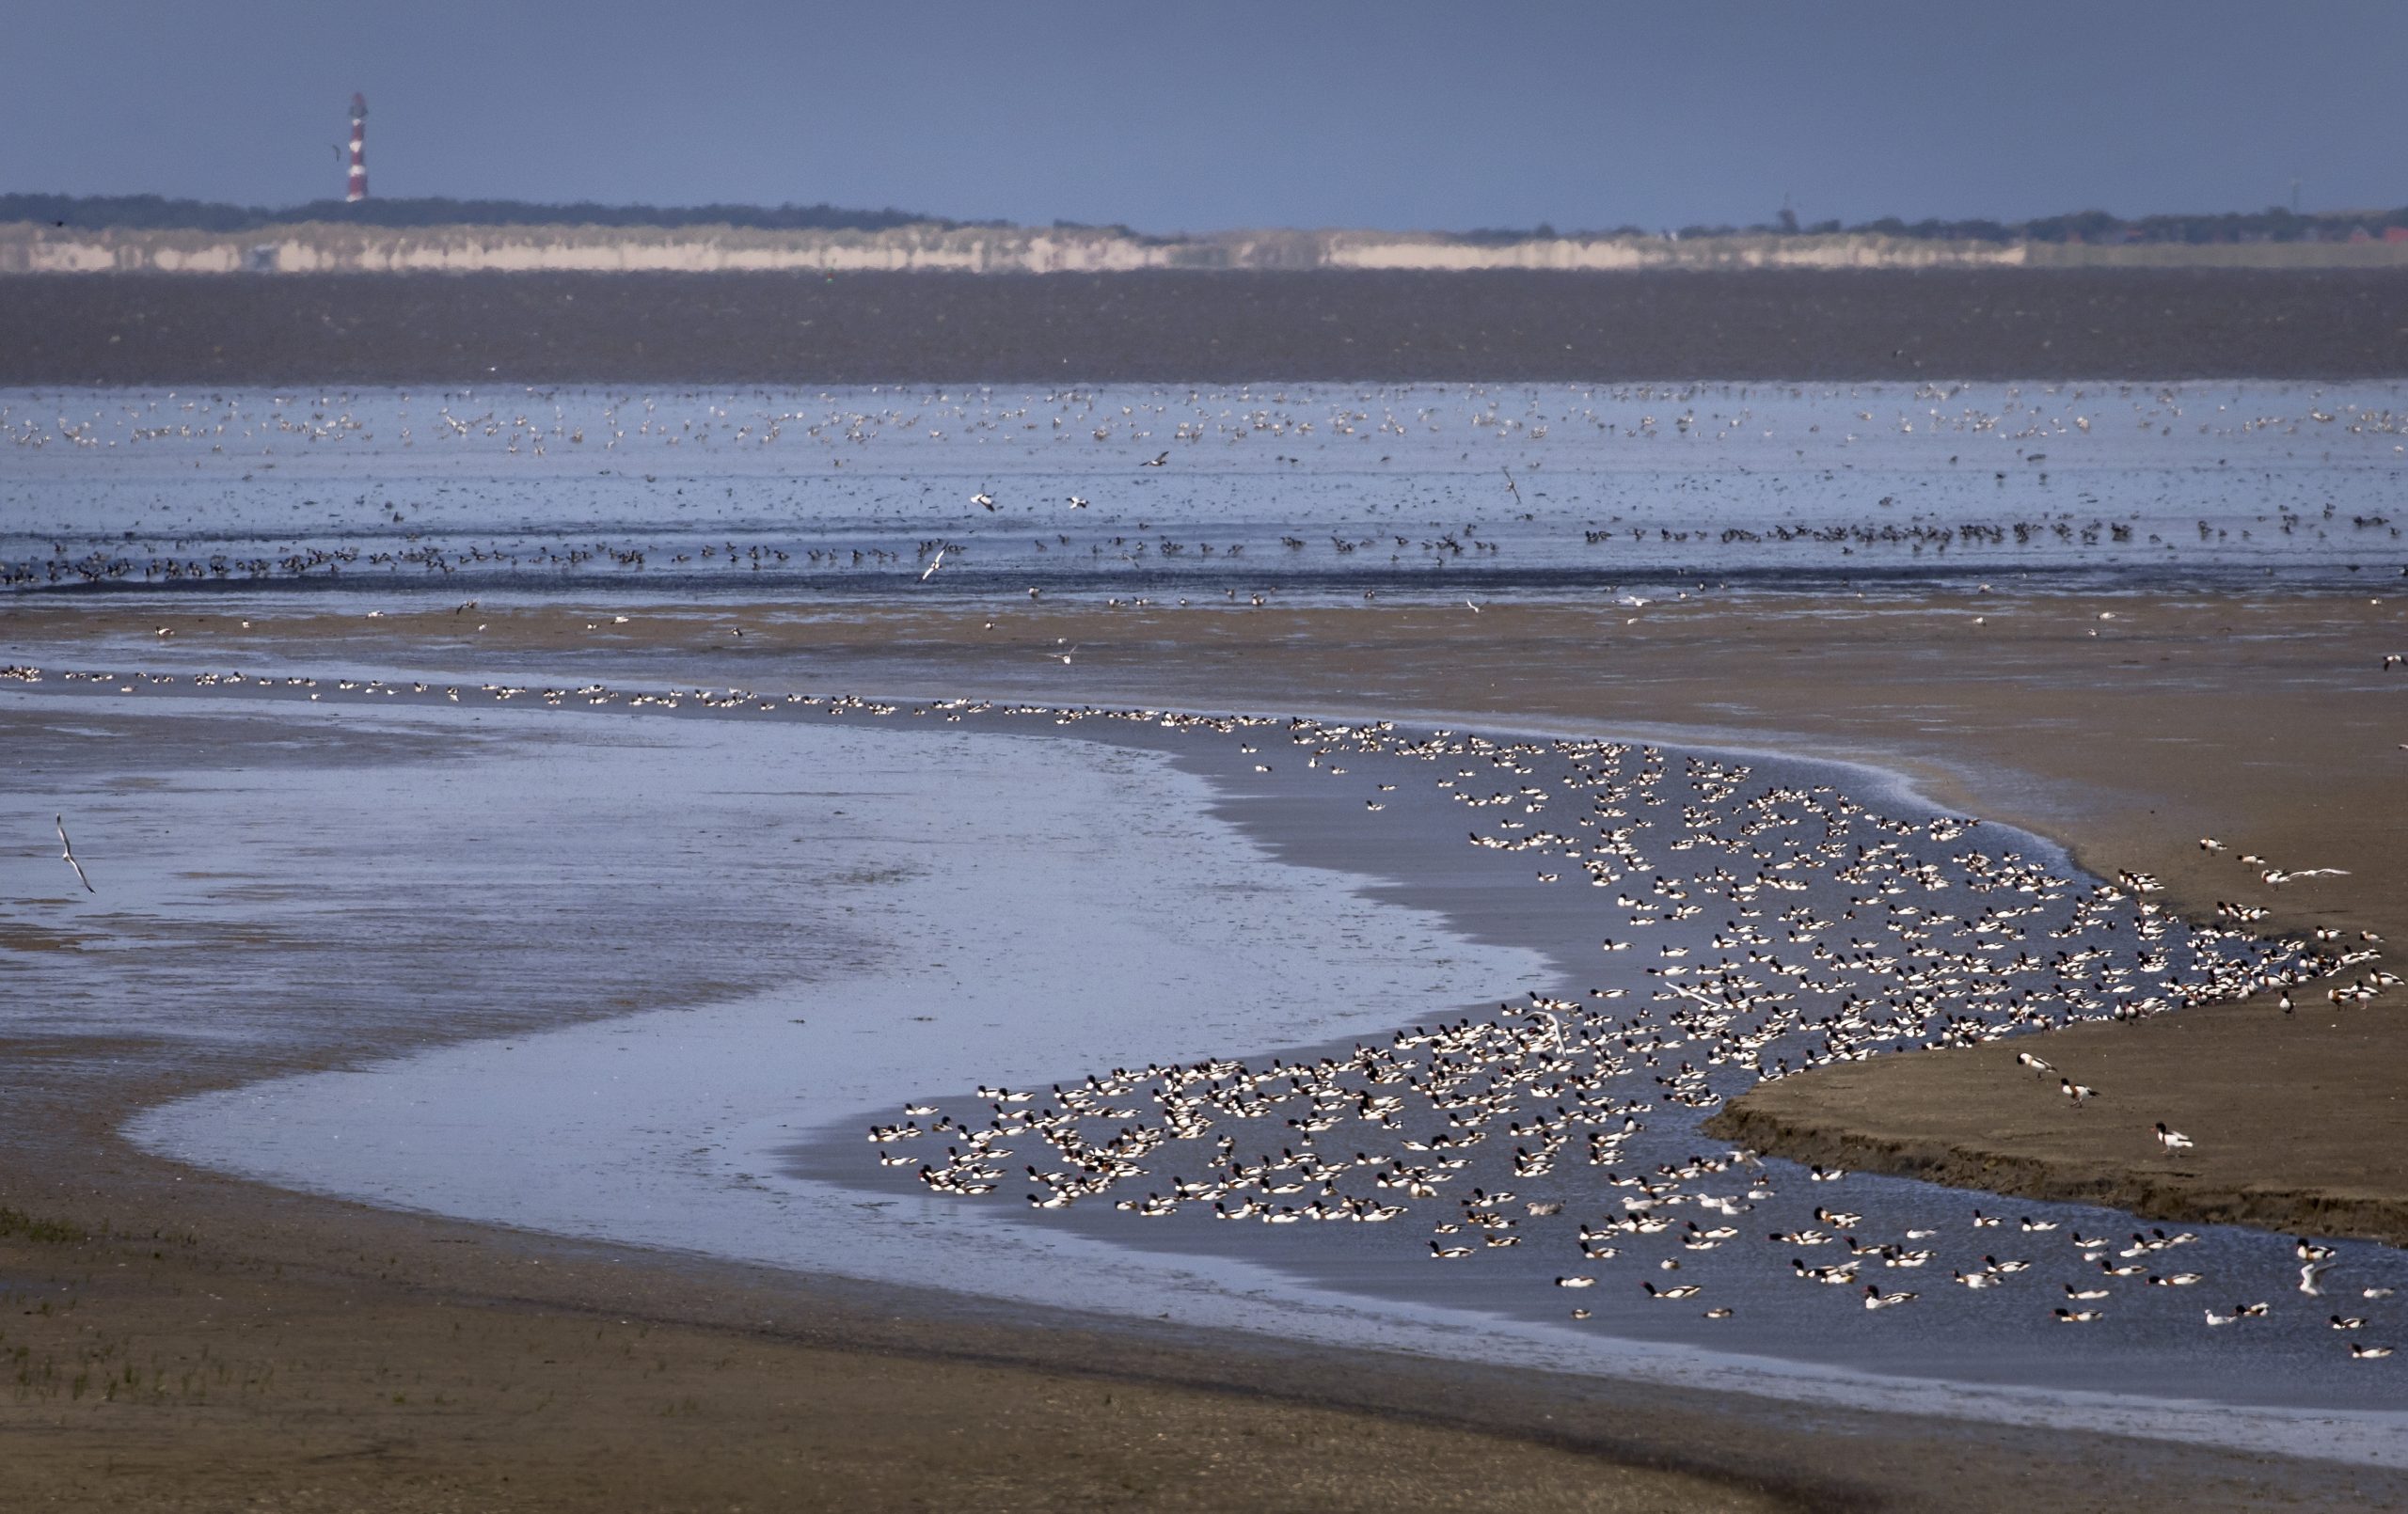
pixel 1755 931
pixel 1404 478
pixel 1747 930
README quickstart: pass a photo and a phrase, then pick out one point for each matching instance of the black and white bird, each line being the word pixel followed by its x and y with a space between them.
pixel 2277 877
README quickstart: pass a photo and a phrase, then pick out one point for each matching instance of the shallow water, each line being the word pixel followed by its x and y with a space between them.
pixel 735 1130
pixel 1300 491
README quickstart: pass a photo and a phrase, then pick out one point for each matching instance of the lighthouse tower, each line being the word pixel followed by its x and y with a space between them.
pixel 358 189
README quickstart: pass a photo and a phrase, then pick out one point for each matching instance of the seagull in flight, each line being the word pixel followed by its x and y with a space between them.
pixel 67 855
pixel 934 563
pixel 1159 459
pixel 1077 503
pixel 983 498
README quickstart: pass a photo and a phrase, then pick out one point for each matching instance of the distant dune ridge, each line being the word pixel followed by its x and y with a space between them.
pixel 29 246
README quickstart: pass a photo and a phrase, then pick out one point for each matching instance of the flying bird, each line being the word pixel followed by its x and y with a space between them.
pixel 934 563
pixel 2277 878
pixel 67 855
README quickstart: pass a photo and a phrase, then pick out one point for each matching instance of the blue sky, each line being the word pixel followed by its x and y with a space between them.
pixel 1201 116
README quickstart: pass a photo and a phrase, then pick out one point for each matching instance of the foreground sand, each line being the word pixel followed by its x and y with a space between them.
pixel 2267 722
pixel 181 1378
pixel 178 1341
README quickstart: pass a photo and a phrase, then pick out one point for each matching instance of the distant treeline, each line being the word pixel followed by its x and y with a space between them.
pixel 156 213
pixel 2274 224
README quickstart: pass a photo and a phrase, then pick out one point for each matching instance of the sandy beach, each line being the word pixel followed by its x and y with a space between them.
pixel 2002 720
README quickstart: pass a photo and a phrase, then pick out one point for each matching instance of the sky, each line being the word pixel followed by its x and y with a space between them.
pixel 1204 116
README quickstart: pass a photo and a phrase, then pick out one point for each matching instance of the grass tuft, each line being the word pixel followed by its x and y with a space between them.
pixel 42 1232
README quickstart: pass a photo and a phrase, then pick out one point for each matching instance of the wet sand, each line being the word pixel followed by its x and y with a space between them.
pixel 1179 327
pixel 1994 720
pixel 2267 722
pixel 304 1356
pixel 405 1367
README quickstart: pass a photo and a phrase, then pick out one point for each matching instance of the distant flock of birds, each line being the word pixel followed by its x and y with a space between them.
pixel 400 540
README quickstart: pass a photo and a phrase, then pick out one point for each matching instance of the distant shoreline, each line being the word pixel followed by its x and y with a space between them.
pixel 1186 325
pixel 358 246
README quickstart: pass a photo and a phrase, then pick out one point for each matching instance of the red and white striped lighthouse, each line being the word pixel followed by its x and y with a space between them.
pixel 357 188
